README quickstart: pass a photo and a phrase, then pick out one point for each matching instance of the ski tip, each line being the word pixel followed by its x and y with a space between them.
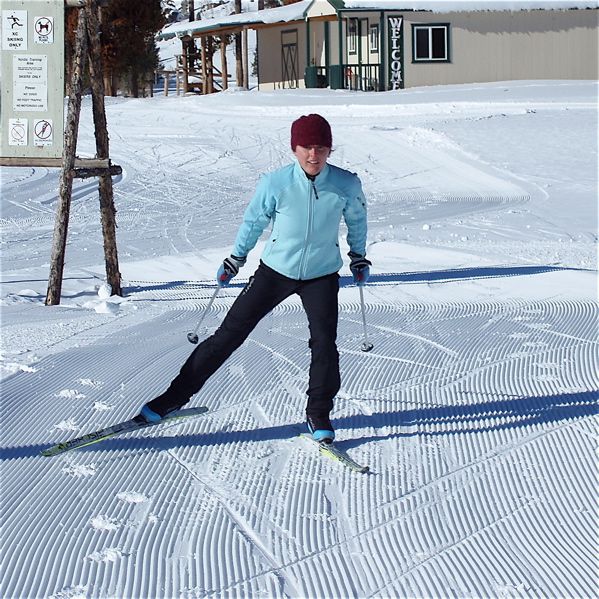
pixel 50 452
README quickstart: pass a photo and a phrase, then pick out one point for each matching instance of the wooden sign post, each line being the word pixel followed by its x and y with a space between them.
pixel 33 113
pixel 87 53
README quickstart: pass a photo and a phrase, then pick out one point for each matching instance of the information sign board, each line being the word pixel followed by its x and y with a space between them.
pixel 32 81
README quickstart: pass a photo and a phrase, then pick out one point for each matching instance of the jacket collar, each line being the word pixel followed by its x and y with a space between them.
pixel 300 174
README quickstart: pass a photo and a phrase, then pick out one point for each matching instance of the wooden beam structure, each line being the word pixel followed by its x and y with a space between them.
pixel 87 53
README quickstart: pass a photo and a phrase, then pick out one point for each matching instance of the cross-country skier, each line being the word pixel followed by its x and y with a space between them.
pixel 304 201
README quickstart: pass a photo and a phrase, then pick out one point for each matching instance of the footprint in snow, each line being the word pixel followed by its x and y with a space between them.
pixel 80 470
pixel 66 425
pixel 104 523
pixel 132 497
pixel 78 592
pixel 90 383
pixel 112 554
pixel 69 394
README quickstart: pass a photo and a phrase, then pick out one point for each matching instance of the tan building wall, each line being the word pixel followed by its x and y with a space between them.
pixel 508 45
pixel 271 47
pixel 484 47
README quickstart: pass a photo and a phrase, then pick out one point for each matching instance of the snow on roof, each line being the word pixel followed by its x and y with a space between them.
pixel 298 11
pixel 469 5
pixel 281 14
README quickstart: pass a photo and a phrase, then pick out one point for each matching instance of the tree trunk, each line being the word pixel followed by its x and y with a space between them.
pixel 210 63
pixel 238 50
pixel 239 59
pixel 134 82
pixel 223 60
pixel 192 10
pixel 245 54
pixel 204 65
pixel 107 208
pixel 65 187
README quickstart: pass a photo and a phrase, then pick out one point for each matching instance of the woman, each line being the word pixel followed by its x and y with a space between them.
pixel 305 202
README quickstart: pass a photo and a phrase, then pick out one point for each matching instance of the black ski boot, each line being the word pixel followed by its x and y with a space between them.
pixel 321 428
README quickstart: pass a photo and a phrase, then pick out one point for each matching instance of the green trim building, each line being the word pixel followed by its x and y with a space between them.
pixel 379 45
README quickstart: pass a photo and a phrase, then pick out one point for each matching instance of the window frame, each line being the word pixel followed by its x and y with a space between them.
pixel 373 38
pixel 429 27
pixel 352 36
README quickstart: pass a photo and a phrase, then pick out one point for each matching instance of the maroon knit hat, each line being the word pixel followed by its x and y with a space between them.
pixel 311 130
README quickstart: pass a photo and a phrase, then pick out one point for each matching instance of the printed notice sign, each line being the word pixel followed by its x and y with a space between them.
pixel 43 30
pixel 14 30
pixel 32 66
pixel 17 132
pixel 42 132
pixel 30 82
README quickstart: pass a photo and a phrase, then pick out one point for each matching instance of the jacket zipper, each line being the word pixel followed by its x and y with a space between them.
pixel 308 229
pixel 314 188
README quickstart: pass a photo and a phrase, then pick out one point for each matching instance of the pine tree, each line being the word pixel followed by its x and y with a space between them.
pixel 129 47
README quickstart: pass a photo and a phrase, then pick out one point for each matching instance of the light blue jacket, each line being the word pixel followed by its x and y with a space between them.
pixel 305 215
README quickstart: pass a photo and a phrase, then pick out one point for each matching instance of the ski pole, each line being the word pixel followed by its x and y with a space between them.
pixel 192 337
pixel 366 345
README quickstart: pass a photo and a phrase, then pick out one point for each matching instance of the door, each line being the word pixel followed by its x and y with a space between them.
pixel 290 79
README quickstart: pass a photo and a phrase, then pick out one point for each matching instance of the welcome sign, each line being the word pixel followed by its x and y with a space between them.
pixel 395 45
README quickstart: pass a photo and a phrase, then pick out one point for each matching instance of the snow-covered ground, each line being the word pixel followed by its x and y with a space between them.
pixel 476 410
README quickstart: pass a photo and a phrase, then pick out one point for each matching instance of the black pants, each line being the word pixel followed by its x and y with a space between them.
pixel 265 290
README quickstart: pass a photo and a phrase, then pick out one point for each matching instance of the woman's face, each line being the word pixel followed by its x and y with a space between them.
pixel 312 158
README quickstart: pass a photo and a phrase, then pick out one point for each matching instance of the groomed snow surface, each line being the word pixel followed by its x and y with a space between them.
pixel 476 409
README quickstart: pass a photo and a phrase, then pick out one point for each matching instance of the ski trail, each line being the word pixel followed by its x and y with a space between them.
pixel 289 585
pixel 476 411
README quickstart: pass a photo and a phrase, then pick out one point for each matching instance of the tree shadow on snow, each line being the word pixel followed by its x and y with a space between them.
pixel 473 418
pixel 481 417
pixel 456 274
pixel 431 276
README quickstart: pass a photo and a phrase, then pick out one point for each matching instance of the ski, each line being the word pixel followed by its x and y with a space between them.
pixel 126 426
pixel 332 451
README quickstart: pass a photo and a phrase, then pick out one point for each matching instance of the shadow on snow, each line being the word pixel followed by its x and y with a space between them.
pixel 433 276
pixel 425 421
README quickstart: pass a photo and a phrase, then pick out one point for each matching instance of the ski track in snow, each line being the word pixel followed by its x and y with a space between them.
pixel 477 416
pixel 495 392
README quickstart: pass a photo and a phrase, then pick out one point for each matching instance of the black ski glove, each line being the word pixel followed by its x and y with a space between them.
pixel 360 268
pixel 229 268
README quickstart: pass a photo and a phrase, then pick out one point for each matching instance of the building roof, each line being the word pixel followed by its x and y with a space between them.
pixel 282 14
pixel 299 11
pixel 468 5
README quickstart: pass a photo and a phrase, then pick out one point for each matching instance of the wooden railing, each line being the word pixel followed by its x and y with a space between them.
pixel 361 77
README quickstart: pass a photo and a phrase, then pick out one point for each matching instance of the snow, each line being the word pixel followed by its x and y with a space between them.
pixel 282 14
pixel 446 6
pixel 476 409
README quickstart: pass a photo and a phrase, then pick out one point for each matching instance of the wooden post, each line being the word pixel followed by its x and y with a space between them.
pixel 65 188
pixel 245 53
pixel 238 49
pixel 166 76
pixel 203 66
pixel 185 65
pixel 223 60
pixel 87 45
pixel 210 60
pixel 107 208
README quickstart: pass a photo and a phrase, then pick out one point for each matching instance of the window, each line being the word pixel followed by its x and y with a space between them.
pixel 430 43
pixel 373 36
pixel 352 36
